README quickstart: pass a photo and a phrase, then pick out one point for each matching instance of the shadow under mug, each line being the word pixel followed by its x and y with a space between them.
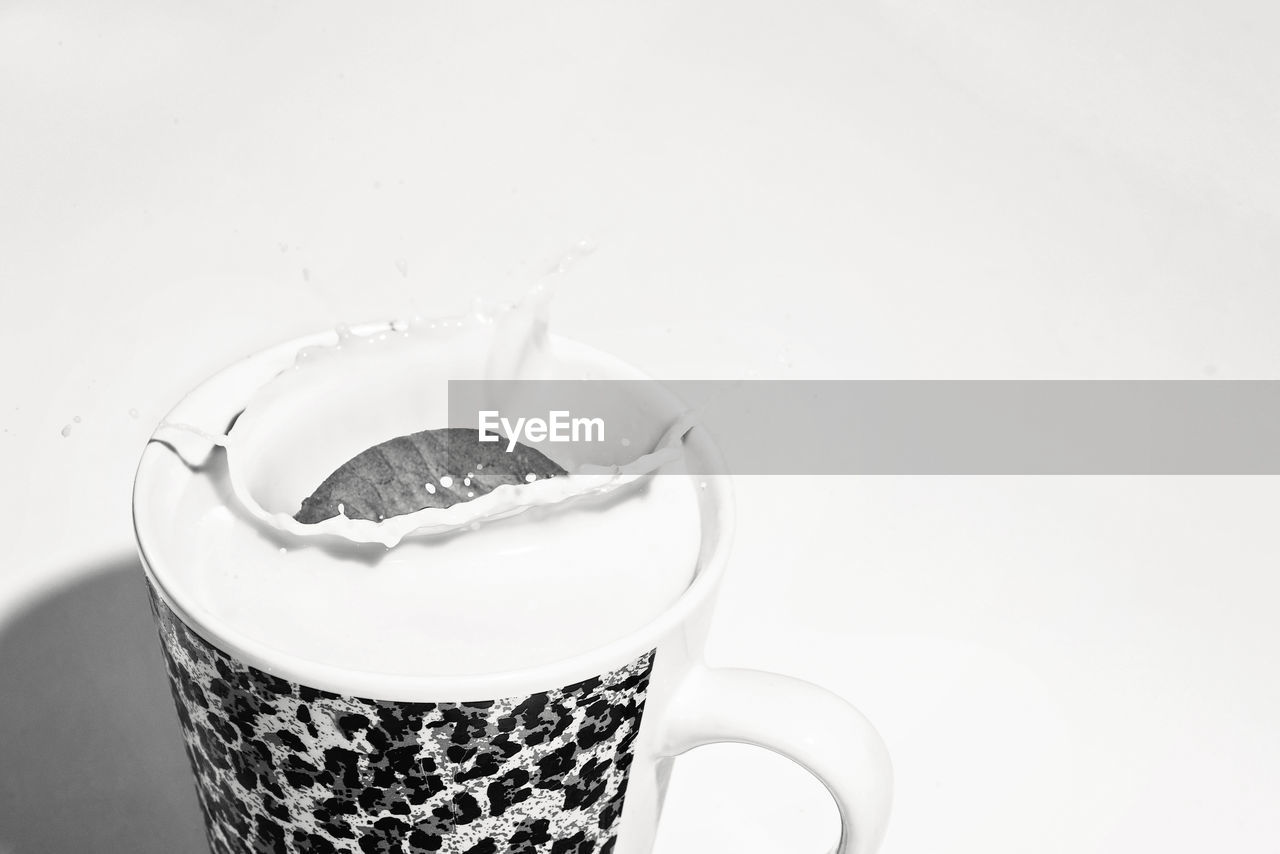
pixel 573 757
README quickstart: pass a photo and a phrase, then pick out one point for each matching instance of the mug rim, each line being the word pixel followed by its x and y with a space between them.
pixel 368 684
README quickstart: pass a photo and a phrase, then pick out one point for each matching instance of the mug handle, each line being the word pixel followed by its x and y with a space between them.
pixel 799 720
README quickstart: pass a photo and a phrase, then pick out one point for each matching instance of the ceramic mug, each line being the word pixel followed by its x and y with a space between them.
pixel 293 755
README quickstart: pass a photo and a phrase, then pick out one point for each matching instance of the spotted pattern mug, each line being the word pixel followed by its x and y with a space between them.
pixel 571 757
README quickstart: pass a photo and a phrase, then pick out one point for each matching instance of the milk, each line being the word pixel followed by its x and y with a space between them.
pixel 523 576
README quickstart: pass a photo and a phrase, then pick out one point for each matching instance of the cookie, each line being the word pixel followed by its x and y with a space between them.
pixel 429 469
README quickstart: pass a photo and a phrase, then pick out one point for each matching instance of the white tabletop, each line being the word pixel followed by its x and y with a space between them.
pixel 820 190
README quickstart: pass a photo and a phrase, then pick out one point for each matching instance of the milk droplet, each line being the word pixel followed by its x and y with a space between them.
pixel 579 250
pixel 471 495
pixel 626 443
pixel 530 477
pixel 66 431
pixel 76 419
pixel 446 481
pixel 283 551
pixel 466 481
pixel 483 310
pixel 342 509
pixel 431 490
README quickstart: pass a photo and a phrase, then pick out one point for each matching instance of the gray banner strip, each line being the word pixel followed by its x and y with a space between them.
pixel 815 427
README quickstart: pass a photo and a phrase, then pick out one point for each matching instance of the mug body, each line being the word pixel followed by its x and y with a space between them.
pixel 296 756
pixel 285 767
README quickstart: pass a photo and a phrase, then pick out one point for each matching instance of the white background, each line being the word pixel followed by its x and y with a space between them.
pixel 814 190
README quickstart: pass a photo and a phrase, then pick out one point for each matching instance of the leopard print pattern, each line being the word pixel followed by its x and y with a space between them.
pixel 281 767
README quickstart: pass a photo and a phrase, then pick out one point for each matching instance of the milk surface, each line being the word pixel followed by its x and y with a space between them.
pixel 524 576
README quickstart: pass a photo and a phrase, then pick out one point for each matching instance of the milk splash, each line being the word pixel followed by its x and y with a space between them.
pixel 384 380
